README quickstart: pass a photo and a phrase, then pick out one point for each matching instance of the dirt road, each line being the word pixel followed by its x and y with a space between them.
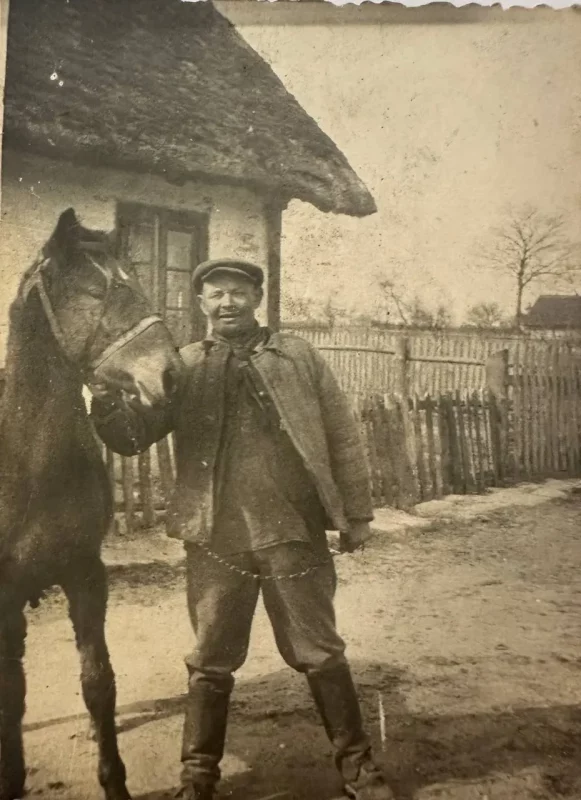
pixel 470 633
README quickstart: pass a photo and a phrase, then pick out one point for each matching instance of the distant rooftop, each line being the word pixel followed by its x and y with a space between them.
pixel 555 311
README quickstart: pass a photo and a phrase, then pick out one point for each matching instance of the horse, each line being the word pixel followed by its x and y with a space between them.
pixel 79 318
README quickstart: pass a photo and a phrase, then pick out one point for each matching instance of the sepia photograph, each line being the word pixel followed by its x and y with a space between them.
pixel 290 401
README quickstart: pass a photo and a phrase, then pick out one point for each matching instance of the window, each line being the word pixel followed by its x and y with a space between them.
pixel 165 247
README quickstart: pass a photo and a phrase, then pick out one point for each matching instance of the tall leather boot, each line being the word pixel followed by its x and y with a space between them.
pixel 204 734
pixel 337 702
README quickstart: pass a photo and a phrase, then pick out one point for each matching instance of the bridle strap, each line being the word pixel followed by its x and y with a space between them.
pixel 127 337
pixel 36 281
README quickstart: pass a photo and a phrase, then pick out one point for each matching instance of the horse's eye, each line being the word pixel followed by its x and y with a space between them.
pixel 96 292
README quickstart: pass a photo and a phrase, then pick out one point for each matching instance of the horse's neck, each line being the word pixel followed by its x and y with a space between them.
pixel 40 387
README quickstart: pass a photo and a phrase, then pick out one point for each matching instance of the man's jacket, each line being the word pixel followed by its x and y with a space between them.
pixel 312 408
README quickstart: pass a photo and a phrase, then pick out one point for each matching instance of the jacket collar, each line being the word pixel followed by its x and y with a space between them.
pixel 270 341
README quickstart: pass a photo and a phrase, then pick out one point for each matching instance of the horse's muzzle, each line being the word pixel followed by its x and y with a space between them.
pixel 146 367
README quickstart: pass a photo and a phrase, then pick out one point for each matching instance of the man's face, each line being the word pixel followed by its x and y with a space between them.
pixel 230 302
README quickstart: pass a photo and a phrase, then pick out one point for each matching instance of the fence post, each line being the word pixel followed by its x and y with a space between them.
pixel 402 360
pixel 497 381
pixel 402 356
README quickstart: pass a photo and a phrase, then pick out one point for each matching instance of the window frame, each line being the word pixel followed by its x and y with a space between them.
pixel 162 221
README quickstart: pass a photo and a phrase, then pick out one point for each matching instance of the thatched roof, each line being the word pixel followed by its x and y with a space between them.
pixel 168 87
pixel 555 311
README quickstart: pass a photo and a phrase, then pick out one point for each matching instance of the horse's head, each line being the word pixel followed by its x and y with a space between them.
pixel 99 315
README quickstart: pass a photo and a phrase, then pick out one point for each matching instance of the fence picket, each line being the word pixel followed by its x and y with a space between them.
pixel 516 417
pixel 165 468
pixel 475 443
pixel 470 422
pixel 572 415
pixel 382 443
pixel 554 424
pixel 458 484
pixel 466 483
pixel 443 424
pixel 145 489
pixel 423 492
pixel 542 410
pixel 478 439
pixel 536 440
pixel 526 406
pixel 366 425
pixel 128 498
pixel 407 486
pixel 431 447
pixel 561 418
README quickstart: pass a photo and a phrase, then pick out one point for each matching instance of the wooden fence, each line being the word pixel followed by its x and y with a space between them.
pixel 424 448
pixel 438 413
pixel 543 402
pixel 416 448
pixel 525 422
pixel 435 362
pixel 142 484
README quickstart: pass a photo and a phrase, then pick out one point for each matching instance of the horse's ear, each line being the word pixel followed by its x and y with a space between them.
pixel 65 236
pixel 67 227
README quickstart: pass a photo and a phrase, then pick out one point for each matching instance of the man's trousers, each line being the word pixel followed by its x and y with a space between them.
pixel 298 588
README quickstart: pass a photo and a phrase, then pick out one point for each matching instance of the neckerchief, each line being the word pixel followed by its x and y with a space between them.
pixel 241 349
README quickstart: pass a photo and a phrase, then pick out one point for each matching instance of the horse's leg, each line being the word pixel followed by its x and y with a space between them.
pixel 86 590
pixel 12 701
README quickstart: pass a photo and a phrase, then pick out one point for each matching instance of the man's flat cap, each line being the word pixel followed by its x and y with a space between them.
pixel 203 271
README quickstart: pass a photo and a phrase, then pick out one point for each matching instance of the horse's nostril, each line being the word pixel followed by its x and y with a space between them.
pixel 170 381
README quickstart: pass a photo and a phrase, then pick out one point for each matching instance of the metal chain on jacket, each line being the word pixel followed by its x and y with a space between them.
pixel 254 576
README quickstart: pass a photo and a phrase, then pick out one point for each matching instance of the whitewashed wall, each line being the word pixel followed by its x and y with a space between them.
pixel 36 190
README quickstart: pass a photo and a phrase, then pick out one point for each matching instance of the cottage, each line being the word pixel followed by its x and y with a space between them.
pixel 156 118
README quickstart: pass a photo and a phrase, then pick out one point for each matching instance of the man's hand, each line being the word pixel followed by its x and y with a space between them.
pixel 355 537
pixel 113 394
pixel 102 391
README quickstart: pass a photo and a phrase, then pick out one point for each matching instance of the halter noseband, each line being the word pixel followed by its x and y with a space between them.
pixel 36 281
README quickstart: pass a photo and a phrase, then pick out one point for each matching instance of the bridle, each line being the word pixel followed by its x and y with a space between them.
pixel 36 281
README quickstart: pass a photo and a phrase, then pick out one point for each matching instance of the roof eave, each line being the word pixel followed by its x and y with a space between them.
pixel 353 200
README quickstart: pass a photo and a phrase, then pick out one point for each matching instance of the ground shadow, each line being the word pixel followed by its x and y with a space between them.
pixel 275 728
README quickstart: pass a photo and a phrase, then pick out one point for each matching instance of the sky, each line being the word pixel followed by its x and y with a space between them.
pixel 450 117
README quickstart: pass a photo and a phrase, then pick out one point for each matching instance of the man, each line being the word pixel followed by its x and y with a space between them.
pixel 268 458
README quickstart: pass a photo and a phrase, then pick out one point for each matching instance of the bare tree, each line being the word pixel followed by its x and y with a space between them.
pixel 332 311
pixel 441 317
pixel 411 312
pixel 531 247
pixel 486 315
pixel 392 295
pixel 420 316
